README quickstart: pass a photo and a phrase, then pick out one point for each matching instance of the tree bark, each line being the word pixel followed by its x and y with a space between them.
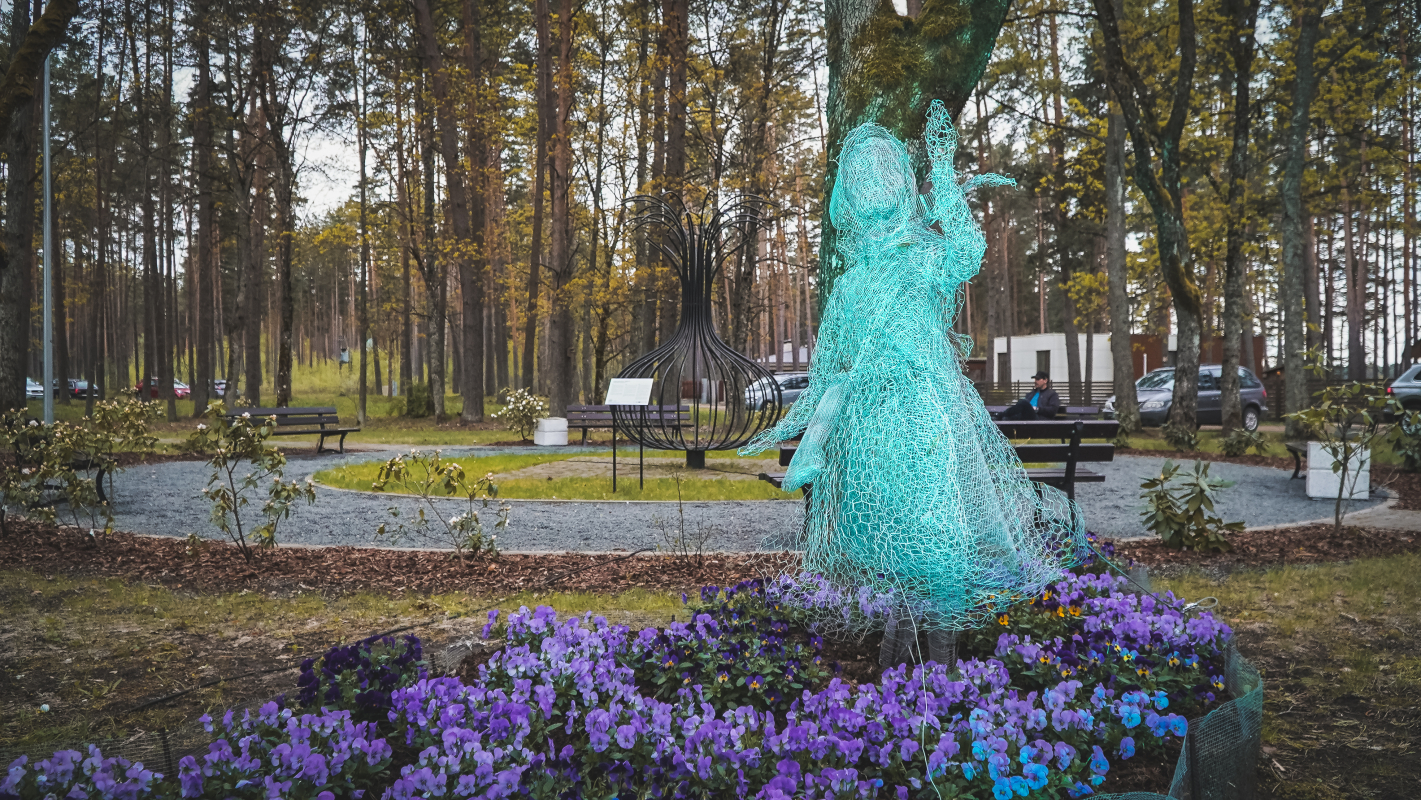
pixel 939 55
pixel 204 271
pixel 473 269
pixel 1241 43
pixel 543 98
pixel 561 344
pixel 1157 146
pixel 1127 406
pixel 1309 24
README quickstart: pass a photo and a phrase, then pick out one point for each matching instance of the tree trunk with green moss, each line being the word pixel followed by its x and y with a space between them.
pixel 888 68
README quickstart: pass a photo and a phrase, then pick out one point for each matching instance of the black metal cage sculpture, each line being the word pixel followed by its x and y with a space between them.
pixel 730 398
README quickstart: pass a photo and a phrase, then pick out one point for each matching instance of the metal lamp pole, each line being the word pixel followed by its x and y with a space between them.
pixel 48 255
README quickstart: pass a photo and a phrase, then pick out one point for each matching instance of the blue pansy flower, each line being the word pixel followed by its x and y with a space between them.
pixel 1127 747
pixel 1001 790
pixel 1036 775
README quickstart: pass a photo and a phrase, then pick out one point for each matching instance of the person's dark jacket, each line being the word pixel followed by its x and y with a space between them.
pixel 1048 404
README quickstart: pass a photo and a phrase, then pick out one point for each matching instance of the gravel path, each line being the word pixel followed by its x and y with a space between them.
pixel 166 499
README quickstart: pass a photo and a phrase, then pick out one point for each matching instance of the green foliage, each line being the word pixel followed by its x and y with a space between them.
pixel 242 463
pixel 522 412
pixel 1182 514
pixel 419 403
pixel 57 464
pixel 1349 419
pixel 1241 441
pixel 428 475
pixel 1184 439
pixel 1406 441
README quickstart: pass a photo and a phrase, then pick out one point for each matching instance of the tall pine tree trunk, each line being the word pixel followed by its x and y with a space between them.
pixel 1241 42
pixel 1158 174
pixel 1290 190
pixel 560 264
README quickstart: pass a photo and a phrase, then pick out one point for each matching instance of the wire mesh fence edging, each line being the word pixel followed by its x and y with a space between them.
pixel 1220 755
pixel 1218 761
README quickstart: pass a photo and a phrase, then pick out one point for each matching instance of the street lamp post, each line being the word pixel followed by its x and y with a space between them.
pixel 48 255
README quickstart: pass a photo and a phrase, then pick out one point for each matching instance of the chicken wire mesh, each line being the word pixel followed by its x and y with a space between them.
pixel 915 493
pixel 1220 756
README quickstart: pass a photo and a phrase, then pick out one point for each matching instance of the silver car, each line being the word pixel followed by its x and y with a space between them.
pixel 33 389
pixel 791 384
pixel 1155 393
pixel 1406 389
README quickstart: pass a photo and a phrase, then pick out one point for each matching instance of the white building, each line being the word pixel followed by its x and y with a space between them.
pixel 1046 352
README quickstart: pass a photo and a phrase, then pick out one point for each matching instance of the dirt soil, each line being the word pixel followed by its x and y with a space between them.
pixel 217 566
pixel 1312 544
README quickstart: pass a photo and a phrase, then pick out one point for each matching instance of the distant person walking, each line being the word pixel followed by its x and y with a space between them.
pixel 1042 403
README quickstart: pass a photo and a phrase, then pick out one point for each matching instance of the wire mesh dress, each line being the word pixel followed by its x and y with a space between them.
pixel 914 490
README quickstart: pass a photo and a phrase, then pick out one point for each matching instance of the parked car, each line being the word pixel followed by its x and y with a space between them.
pixel 758 394
pixel 180 390
pixel 78 389
pixel 1155 393
pixel 218 390
pixel 34 390
pixel 1406 389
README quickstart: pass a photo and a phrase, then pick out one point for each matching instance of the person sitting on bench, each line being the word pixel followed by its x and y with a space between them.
pixel 1042 403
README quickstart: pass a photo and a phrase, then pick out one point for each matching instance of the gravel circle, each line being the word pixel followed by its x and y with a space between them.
pixel 166 499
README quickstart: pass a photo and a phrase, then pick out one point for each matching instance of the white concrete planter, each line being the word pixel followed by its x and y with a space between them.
pixel 551 432
pixel 1322 481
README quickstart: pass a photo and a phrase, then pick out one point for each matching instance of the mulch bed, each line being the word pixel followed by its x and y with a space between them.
pixel 219 567
pixel 1310 544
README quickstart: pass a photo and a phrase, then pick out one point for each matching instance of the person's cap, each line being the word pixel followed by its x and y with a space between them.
pixel 1040 376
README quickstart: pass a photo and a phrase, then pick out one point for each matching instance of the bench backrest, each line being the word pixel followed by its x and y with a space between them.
pixel 316 415
pixel 1051 453
pixel 604 413
pixel 1059 429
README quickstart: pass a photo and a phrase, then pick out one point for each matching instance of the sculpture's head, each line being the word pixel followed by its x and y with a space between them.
pixel 874 189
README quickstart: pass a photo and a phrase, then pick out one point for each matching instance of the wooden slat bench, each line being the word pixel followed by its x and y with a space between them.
pixel 588 417
pixel 319 421
pixel 1297 450
pixel 28 442
pixel 1071 452
pixel 1066 412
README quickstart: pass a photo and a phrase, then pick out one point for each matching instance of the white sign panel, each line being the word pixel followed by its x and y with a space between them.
pixel 629 392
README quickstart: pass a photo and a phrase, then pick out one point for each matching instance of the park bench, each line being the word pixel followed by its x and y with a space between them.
pixel 27 443
pixel 588 417
pixel 1071 452
pixel 318 421
pixel 1066 412
pixel 1297 450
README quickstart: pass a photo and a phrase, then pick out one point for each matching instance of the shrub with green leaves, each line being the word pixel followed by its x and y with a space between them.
pixel 419 404
pixel 1241 441
pixel 522 412
pixel 1182 438
pixel 429 476
pixel 244 468
pixel 1406 441
pixel 1182 514
pixel 1349 419
pixel 54 465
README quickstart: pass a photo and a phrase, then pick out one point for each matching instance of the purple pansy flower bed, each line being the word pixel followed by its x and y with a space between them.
pixel 736 702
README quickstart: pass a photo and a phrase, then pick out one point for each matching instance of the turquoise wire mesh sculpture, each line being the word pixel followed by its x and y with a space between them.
pixel 915 493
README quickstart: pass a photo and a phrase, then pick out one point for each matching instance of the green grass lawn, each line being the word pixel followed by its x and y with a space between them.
pixel 693 487
pixel 1210 441
pixel 96 647
pixel 1337 645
